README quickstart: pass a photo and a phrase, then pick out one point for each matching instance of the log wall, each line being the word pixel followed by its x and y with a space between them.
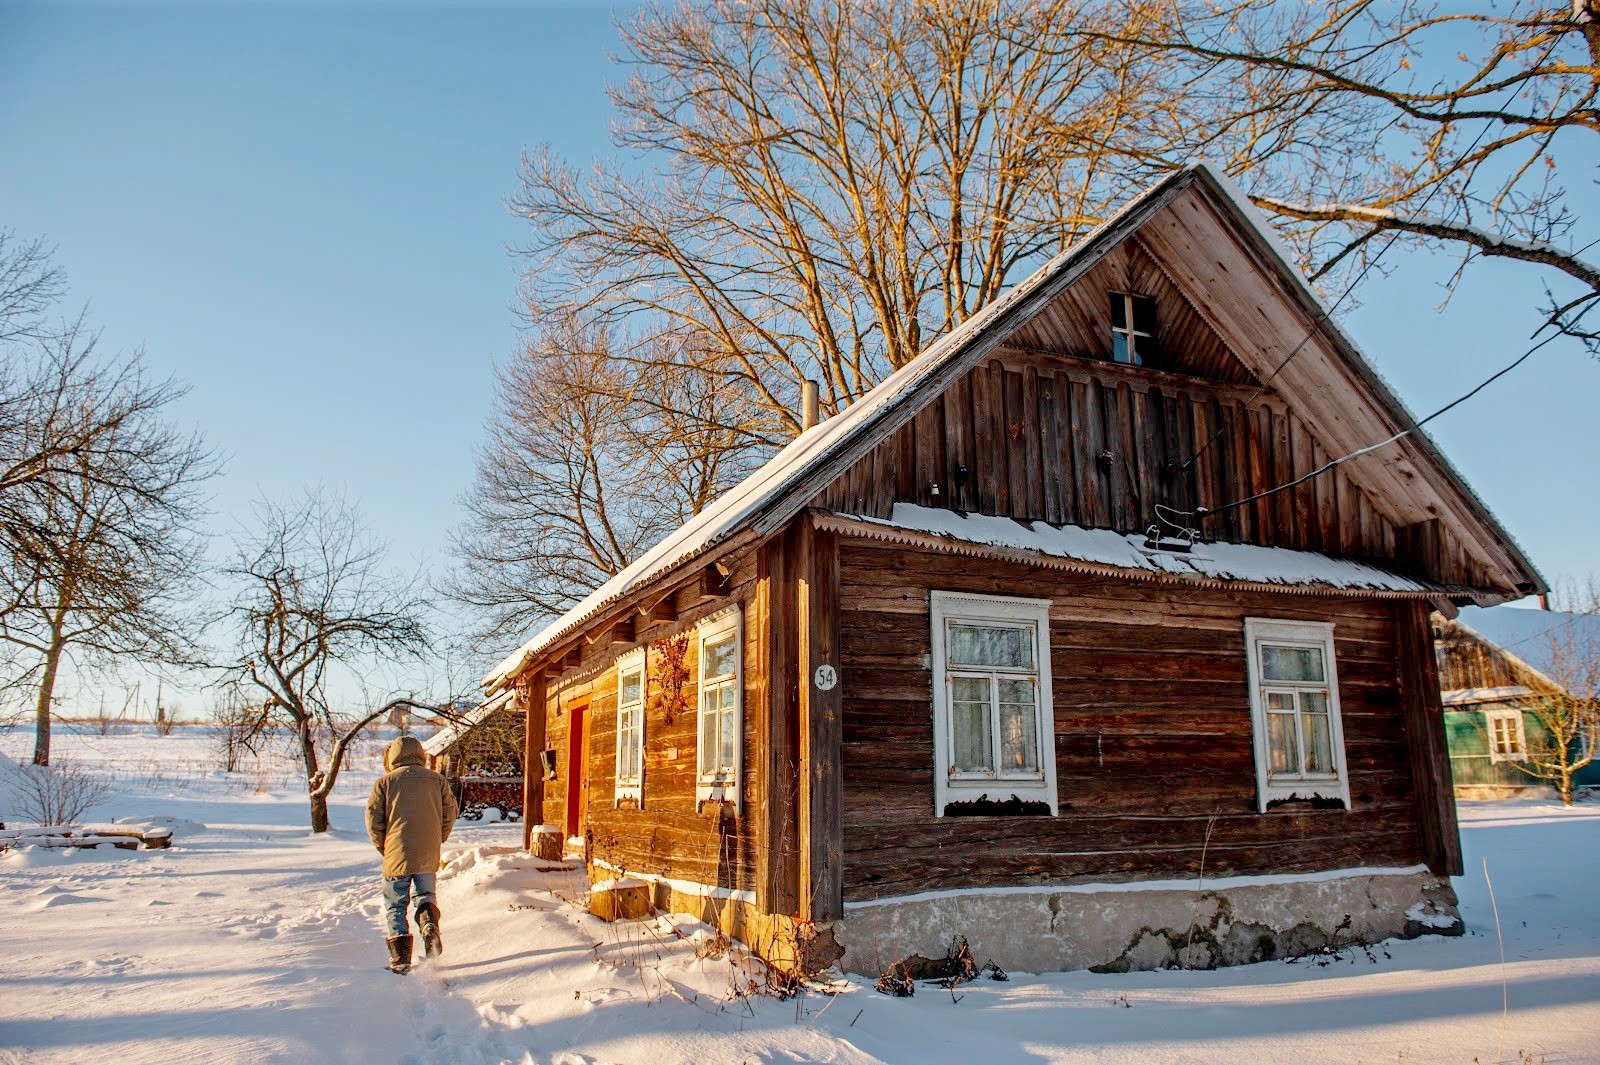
pixel 668 836
pixel 1154 762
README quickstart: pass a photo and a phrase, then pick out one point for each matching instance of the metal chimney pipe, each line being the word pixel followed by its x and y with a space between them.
pixel 808 405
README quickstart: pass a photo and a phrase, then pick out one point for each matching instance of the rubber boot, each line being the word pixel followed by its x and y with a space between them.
pixel 428 922
pixel 400 954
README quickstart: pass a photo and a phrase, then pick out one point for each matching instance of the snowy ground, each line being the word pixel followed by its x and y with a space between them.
pixel 252 941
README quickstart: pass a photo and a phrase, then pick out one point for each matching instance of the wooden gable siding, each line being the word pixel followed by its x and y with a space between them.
pixel 668 836
pixel 1091 443
pixel 1467 660
pixel 1078 323
pixel 1155 768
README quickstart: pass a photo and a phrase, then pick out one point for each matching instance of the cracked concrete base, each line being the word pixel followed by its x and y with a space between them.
pixel 1120 928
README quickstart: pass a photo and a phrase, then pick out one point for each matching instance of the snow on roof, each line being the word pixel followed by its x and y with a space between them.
pixel 1473 696
pixel 1106 547
pixel 436 744
pixel 1534 636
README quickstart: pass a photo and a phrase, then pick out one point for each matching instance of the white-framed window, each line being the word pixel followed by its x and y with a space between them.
pixel 993 733
pixel 719 760
pixel 630 726
pixel 1294 704
pixel 1506 740
pixel 1133 328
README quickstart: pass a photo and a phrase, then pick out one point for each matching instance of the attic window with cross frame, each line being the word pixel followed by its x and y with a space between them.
pixel 1133 329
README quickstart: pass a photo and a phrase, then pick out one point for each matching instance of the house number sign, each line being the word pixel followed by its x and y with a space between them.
pixel 826 677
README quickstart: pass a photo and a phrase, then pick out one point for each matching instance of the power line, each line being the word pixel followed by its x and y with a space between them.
pixel 1205 512
pixel 1326 313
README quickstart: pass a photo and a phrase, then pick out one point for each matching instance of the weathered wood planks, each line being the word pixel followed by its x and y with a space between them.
pixel 1152 736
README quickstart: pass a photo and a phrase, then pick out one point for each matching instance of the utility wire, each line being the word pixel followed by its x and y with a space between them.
pixel 1204 512
pixel 1325 315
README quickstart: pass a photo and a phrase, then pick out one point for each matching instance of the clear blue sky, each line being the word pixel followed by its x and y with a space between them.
pixel 300 210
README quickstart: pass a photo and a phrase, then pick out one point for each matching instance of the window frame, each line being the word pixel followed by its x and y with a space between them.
pixel 631 788
pixel 1131 332
pixel 943 608
pixel 1510 713
pixel 720 785
pixel 1280 631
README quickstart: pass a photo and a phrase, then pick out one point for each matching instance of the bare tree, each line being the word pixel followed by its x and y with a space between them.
pixel 63 407
pixel 830 186
pixel 589 461
pixel 821 190
pixel 1567 708
pixel 316 606
pixel 1469 129
pixel 30 285
pixel 102 542
pixel 57 794
pixel 238 728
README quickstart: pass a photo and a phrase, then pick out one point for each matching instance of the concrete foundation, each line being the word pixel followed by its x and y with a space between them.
pixel 1127 927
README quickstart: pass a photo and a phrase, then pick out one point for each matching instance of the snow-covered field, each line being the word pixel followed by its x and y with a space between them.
pixel 252 941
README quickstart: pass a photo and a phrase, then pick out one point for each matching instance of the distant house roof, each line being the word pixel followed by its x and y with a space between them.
pixel 442 740
pixel 1474 696
pixel 778 490
pixel 1533 636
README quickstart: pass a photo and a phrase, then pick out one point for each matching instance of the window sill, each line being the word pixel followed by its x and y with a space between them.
pixel 725 792
pixel 970 801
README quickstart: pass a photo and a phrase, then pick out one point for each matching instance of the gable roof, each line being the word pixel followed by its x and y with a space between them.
pixel 1534 638
pixel 773 494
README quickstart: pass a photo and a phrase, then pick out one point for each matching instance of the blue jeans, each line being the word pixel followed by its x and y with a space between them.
pixel 395 891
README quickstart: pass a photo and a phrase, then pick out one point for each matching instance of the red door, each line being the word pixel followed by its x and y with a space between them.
pixel 577 769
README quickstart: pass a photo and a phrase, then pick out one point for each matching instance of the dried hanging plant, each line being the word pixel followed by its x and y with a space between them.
pixel 671 676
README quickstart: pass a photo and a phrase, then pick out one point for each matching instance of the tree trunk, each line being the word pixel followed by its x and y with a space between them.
pixel 1566 787
pixel 319 812
pixel 47 688
pixel 308 755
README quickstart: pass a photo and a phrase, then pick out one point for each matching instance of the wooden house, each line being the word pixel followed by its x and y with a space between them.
pixel 481 756
pixel 1497 666
pixel 928 673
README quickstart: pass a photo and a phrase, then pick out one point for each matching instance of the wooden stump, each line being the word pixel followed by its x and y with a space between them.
pixel 624 899
pixel 547 843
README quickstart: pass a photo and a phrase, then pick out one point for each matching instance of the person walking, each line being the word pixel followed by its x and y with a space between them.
pixel 409 815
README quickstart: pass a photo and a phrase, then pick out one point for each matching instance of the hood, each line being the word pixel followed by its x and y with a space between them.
pixel 407 750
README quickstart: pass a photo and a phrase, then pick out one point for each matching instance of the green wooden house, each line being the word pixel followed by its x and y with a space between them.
pixel 1495 666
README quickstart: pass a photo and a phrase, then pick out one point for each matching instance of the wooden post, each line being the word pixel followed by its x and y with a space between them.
pixel 778 867
pixel 1425 739
pixel 532 696
pixel 821 794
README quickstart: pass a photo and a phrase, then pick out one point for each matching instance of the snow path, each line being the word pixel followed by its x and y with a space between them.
pixel 248 939
pixel 252 941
